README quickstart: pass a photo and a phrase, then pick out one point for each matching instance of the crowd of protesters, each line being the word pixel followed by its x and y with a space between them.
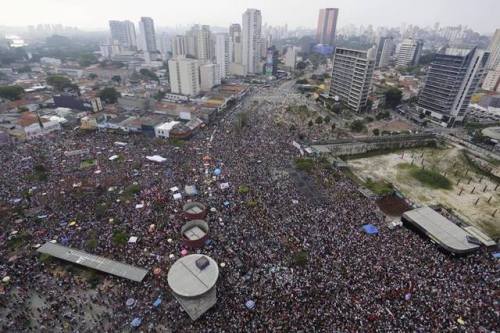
pixel 300 255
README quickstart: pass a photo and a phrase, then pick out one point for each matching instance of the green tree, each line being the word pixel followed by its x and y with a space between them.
pixel 92 76
pixel 109 95
pixel 319 120
pixel 117 79
pixel 86 60
pixel 60 83
pixel 148 74
pixel 357 126
pixel 310 123
pixel 11 92
pixel 376 132
pixel 327 119
pixel 159 95
pixel 393 97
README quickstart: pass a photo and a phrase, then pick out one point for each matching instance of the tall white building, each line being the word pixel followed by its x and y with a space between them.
pixel 179 47
pixel 184 76
pixel 209 76
pixel 192 41
pixel 409 52
pixel 235 43
pixel 222 53
pixel 384 51
pixel 204 47
pixel 291 56
pixel 251 39
pixel 492 80
pixel 352 77
pixel 494 50
pixel 148 35
pixel 123 32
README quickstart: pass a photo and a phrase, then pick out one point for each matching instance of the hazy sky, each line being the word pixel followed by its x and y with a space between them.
pixel 481 15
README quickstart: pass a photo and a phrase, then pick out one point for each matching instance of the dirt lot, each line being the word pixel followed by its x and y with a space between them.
pixel 449 162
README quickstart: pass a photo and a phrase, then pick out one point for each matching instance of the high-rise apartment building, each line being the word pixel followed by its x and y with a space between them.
pixel 494 50
pixel 184 76
pixel 492 80
pixel 209 76
pixel 384 51
pixel 327 26
pixel 192 41
pixel 352 77
pixel 222 53
pixel 148 35
pixel 204 47
pixel 251 39
pixel 123 32
pixel 179 46
pixel 291 56
pixel 235 43
pixel 453 77
pixel 409 52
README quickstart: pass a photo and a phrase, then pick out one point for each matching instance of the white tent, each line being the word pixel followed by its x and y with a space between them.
pixel 156 158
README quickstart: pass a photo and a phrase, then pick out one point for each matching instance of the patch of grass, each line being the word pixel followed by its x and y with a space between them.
pixel 300 258
pixel 130 191
pixel 431 178
pixel 45 258
pixel 405 166
pixel 380 187
pixel 120 238
pixel 243 189
pixel 176 142
pixel 251 203
pixel 304 164
pixel 86 164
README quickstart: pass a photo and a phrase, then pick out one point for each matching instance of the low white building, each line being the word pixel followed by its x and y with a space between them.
pixel 163 130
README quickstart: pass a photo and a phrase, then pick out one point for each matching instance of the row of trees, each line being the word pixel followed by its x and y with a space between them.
pixel 11 93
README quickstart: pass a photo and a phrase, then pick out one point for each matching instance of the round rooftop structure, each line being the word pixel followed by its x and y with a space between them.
pixel 492 132
pixel 195 233
pixel 194 210
pixel 193 276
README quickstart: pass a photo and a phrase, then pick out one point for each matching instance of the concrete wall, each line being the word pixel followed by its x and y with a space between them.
pixel 365 145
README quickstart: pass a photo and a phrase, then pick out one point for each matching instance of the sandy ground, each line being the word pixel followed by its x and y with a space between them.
pixel 445 160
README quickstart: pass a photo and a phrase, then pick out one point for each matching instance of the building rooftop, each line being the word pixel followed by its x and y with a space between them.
pixel 441 230
pixel 93 261
pixel 187 279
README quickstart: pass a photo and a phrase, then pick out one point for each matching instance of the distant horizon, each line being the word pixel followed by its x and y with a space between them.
pixel 93 15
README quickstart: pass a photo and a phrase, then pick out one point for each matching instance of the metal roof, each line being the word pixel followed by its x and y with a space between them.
pixel 187 280
pixel 446 233
pixel 93 261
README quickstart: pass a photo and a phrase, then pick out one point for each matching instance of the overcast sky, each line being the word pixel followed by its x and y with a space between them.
pixel 481 15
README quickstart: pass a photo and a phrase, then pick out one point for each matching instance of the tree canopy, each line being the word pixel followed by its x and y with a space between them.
pixel 61 83
pixel 148 74
pixel 393 97
pixel 109 95
pixel 11 93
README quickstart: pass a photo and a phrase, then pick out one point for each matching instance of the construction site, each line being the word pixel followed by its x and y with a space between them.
pixel 465 185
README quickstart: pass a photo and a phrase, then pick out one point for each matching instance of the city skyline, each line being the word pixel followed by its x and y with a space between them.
pixel 94 15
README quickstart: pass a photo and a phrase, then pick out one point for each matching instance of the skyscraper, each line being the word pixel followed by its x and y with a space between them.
pixel 148 36
pixel 184 76
pixel 251 38
pixel 327 26
pixel 494 50
pixel 352 77
pixel 222 53
pixel 192 41
pixel 409 52
pixel 179 46
pixel 123 32
pixel 204 47
pixel 235 43
pixel 209 76
pixel 384 50
pixel 453 77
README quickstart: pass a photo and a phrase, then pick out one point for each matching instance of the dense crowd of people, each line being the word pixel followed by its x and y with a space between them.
pixel 302 257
